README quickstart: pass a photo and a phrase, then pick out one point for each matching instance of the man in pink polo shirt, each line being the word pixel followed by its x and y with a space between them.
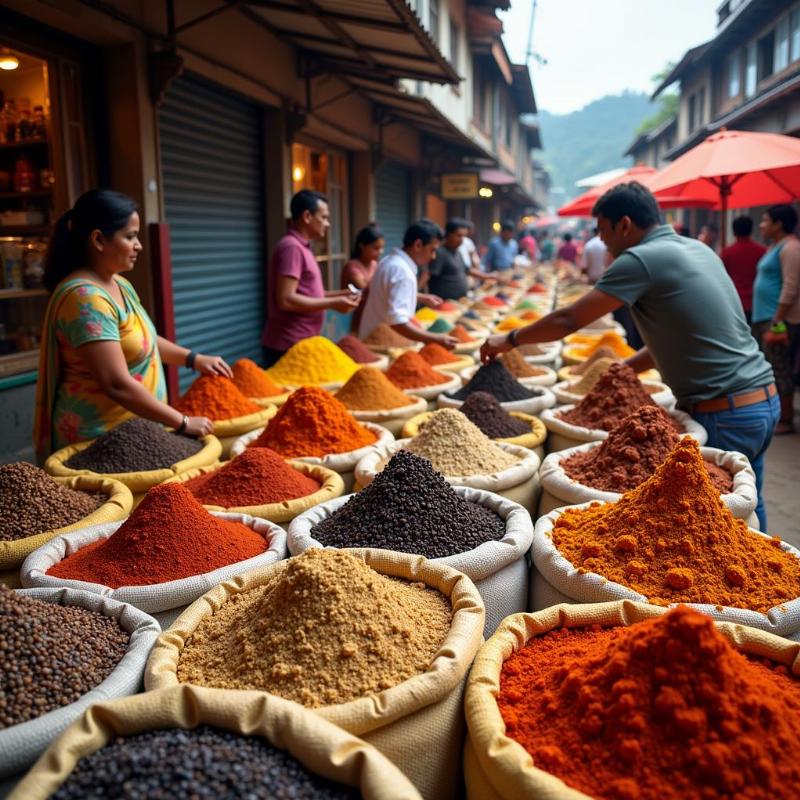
pixel 296 296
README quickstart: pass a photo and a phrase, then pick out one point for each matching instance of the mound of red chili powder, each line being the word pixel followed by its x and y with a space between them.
pixel 256 477
pixel 168 536
pixel 215 397
pixel 665 709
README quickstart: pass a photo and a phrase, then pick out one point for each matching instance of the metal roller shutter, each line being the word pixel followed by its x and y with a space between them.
pixel 393 201
pixel 211 149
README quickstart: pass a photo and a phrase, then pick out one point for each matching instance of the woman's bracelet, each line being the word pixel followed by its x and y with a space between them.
pixel 512 337
pixel 190 357
pixel 182 427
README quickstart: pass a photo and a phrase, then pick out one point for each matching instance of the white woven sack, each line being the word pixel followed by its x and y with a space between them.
pixel 393 419
pixel 157 597
pixel 452 384
pixel 661 394
pixel 547 378
pixel 589 587
pixel 498 569
pixel 534 405
pixel 21 745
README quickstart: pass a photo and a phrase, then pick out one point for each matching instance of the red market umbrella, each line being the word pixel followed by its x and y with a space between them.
pixel 735 169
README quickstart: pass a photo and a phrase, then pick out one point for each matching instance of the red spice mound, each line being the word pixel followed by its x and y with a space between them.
pixel 167 537
pixel 252 381
pixel 616 394
pixel 491 300
pixel 446 306
pixel 215 397
pixel 312 422
pixel 435 354
pixel 665 709
pixel 631 454
pixel 356 349
pixel 412 371
pixel 462 334
pixel 256 477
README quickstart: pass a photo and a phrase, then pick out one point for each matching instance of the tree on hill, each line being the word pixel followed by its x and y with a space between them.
pixel 668 103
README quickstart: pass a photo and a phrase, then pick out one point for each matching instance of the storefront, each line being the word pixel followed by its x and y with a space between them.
pixel 393 201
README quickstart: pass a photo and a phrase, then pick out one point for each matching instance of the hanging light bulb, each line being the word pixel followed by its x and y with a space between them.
pixel 8 62
pixel 298 173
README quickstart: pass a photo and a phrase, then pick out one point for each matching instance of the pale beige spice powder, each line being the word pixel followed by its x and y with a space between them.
pixel 591 376
pixel 325 629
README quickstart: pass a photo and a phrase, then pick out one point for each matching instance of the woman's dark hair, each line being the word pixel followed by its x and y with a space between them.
pixel 365 236
pixel 784 214
pixel 98 209
pixel 629 200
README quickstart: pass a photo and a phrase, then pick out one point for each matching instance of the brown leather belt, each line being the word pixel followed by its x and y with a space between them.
pixel 735 400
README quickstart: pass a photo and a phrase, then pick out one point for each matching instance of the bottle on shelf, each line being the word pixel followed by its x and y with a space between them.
pixel 25 126
pixel 39 123
pixel 24 174
pixel 9 121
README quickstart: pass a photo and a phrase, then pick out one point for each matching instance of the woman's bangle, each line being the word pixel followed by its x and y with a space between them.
pixel 190 357
pixel 182 427
pixel 512 337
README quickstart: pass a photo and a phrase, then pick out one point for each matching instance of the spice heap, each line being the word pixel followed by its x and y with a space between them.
pixel 516 364
pixel 672 540
pixel 324 629
pixel 441 326
pixel 492 302
pixel 169 536
pixel 462 334
pixel 631 454
pixel 51 655
pixel 252 381
pixel 412 371
pixel 370 390
pixel 617 393
pixel 590 377
pixel 437 355
pixel 495 379
pixel 426 314
pixel 31 502
pixel 664 709
pixel 312 361
pixel 600 353
pixel 256 477
pixel 410 508
pixel 611 340
pixel 530 316
pixel 386 336
pixel 136 445
pixel 215 397
pixel 220 763
pixel 455 446
pixel 483 410
pixel 511 323
pixel 532 350
pixel 446 307
pixel 356 349
pixel 312 422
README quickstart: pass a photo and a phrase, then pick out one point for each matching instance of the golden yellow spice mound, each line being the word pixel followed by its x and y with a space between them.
pixel 674 541
pixel 325 629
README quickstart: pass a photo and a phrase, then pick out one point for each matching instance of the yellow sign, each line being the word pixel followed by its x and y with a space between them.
pixel 460 186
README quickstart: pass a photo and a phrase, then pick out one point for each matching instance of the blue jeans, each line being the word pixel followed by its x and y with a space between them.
pixel 747 430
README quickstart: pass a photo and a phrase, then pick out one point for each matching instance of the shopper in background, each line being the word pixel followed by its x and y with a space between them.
pixel 708 235
pixel 547 247
pixel 503 249
pixel 446 276
pixel 101 359
pixel 468 250
pixel 393 295
pixel 358 271
pixel 568 251
pixel 296 296
pixel 740 260
pixel 776 304
pixel 594 258
pixel 527 244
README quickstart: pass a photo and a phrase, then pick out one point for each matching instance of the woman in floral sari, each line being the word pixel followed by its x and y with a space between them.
pixel 101 358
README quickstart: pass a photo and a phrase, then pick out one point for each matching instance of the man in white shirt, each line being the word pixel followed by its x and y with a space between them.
pixel 595 256
pixel 467 249
pixel 393 295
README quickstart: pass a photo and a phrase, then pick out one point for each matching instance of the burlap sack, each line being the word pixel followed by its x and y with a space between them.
pixel 393 419
pixel 117 506
pixel 21 745
pixel 548 378
pixel 331 485
pixel 660 392
pixel 343 463
pixel 518 483
pixel 589 587
pixel 498 569
pixel 534 405
pixel 417 724
pixel 137 482
pixel 276 400
pixel 563 435
pixel 496 766
pixel 156 597
pixel 318 745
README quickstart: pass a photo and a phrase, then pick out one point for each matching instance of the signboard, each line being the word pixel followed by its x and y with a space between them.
pixel 460 186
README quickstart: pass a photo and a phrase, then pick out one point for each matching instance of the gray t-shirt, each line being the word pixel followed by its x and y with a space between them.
pixel 448 274
pixel 689 315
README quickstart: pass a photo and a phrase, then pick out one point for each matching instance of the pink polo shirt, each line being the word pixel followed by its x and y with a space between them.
pixel 292 257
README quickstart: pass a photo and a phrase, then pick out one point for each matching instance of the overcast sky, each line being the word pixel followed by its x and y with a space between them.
pixel 599 47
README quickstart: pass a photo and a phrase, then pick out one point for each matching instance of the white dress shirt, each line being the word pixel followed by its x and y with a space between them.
pixel 392 298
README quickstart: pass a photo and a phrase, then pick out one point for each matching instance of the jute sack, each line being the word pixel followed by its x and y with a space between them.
pixel 563 435
pixel 21 745
pixel 343 463
pixel 318 745
pixel 533 405
pixel 498 569
pixel 558 489
pixel 157 597
pixel 418 724
pixel 589 587
pixel 659 392
pixel 430 393
pixel 276 400
pixel 331 485
pixel 229 430
pixel 393 419
pixel 137 482
pixel 547 378
pixel 498 767
pixel 531 441
pixel 119 501
pixel 518 483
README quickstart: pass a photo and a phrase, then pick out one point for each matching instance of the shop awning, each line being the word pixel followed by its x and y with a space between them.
pixel 497 177
pixel 382 37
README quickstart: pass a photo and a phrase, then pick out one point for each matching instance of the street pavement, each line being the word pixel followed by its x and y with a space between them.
pixel 782 483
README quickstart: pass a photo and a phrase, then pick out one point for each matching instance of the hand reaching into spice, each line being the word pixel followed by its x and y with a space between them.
pixel 429 300
pixel 212 365
pixel 494 346
pixel 198 426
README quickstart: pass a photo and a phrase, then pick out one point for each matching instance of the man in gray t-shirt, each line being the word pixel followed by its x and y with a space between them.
pixel 447 274
pixel 690 318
